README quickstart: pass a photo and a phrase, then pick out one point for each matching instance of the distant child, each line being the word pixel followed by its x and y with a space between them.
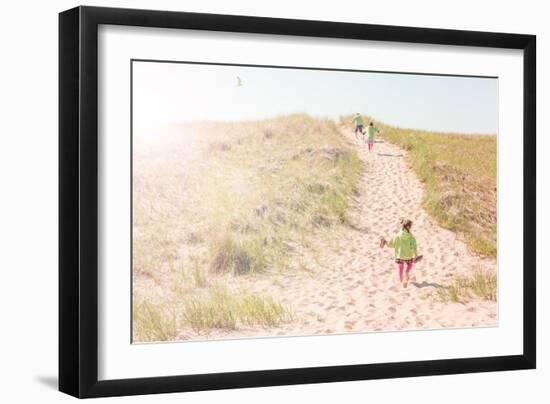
pixel 371 130
pixel 404 245
pixel 359 124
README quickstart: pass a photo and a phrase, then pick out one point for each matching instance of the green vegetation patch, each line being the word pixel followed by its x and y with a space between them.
pixel 215 308
pixel 482 284
pixel 247 197
pixel 224 200
pixel 221 309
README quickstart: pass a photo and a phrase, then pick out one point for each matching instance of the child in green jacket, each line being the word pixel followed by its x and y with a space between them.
pixel 371 130
pixel 359 124
pixel 404 245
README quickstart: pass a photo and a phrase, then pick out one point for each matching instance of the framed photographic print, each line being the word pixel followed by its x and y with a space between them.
pixel 250 201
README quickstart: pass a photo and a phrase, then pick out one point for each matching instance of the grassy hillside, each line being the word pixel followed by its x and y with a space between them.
pixel 459 172
pixel 223 199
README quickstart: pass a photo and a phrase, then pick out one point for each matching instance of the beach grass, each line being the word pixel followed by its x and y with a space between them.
pixel 481 285
pixel 216 307
pixel 153 322
pixel 230 200
pixel 459 172
pixel 220 308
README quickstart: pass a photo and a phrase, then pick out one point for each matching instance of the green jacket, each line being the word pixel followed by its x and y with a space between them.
pixel 404 245
pixel 358 120
pixel 371 130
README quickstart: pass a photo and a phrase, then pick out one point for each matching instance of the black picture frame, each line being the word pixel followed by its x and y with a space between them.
pixel 78 200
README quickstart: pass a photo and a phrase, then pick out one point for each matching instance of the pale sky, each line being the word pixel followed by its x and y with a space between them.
pixel 165 93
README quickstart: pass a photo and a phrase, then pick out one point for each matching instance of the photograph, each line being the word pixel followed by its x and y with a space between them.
pixel 287 201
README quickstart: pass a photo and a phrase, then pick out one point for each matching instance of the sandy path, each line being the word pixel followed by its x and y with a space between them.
pixel 348 284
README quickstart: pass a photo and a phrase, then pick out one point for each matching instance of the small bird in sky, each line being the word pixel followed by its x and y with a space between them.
pixel 239 82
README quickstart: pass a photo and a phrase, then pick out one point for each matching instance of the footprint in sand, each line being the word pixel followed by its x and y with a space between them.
pixel 349 325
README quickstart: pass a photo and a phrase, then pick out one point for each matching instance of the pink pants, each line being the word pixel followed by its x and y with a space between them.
pixel 401 265
pixel 370 146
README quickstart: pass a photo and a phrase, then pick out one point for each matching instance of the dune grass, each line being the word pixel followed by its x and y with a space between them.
pixel 459 173
pixel 252 191
pixel 232 199
pixel 153 322
pixel 482 284
pixel 216 308
pixel 221 309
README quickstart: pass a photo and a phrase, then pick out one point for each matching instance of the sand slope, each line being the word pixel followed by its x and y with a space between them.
pixel 349 284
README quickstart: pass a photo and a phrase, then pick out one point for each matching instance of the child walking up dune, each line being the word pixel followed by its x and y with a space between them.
pixel 404 245
pixel 358 122
pixel 371 130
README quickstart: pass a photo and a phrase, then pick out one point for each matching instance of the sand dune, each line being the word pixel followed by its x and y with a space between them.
pixel 348 284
